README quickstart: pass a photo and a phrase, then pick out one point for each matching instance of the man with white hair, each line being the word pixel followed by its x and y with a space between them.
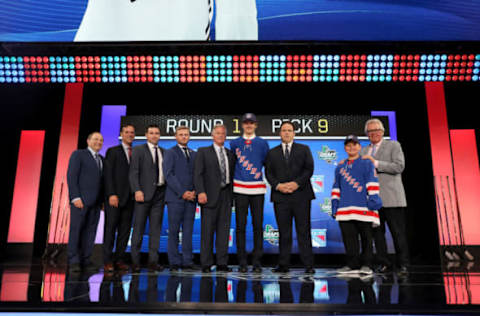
pixel 389 161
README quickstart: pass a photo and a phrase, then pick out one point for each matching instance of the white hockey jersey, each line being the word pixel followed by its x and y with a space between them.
pixel 167 20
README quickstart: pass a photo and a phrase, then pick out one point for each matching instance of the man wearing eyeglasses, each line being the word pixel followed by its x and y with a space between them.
pixel 389 161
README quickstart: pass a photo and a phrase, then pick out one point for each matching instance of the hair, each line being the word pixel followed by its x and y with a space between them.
pixel 91 134
pixel 288 122
pixel 181 127
pixel 219 126
pixel 374 120
pixel 152 126
pixel 126 125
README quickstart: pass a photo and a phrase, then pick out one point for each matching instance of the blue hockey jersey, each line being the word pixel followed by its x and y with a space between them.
pixel 355 192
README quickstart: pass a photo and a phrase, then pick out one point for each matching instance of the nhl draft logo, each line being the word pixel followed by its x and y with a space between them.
pixel 326 206
pixel 327 154
pixel 271 235
pixel 319 238
pixel 318 183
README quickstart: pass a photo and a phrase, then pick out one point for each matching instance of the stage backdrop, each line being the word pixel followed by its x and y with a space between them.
pixel 324 134
pixel 264 20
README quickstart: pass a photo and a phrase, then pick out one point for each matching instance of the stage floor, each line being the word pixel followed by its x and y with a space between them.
pixel 426 290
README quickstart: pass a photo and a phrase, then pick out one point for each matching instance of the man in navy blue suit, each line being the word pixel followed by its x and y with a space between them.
pixel 180 199
pixel 85 186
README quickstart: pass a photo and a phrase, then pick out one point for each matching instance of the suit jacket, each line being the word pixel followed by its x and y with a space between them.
pixel 207 174
pixel 299 169
pixel 178 173
pixel 142 171
pixel 391 163
pixel 116 171
pixel 84 179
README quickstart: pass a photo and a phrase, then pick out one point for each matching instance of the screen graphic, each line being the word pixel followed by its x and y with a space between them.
pixel 245 20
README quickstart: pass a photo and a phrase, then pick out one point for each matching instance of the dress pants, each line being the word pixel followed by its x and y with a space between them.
pixel 285 212
pixel 118 220
pixel 180 214
pixel 395 218
pixel 83 229
pixel 242 202
pixel 153 210
pixel 350 232
pixel 216 221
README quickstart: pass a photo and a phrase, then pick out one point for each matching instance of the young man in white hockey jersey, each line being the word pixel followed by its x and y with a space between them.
pixel 355 201
pixel 249 190
pixel 168 20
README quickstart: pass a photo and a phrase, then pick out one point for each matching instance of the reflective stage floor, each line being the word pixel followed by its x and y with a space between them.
pixel 426 290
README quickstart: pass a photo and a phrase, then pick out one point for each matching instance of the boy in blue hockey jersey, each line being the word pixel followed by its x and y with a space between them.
pixel 355 201
pixel 249 190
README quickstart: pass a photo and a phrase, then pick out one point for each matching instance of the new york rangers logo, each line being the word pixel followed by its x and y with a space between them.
pixel 319 238
pixel 318 183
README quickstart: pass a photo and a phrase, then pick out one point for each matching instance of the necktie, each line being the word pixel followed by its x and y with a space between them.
pixel 185 149
pixel 98 161
pixel 223 168
pixel 129 153
pixel 374 149
pixel 287 153
pixel 157 165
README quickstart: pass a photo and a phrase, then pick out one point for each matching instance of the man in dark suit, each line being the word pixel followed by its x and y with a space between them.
pixel 148 184
pixel 213 178
pixel 119 201
pixel 288 168
pixel 85 186
pixel 180 198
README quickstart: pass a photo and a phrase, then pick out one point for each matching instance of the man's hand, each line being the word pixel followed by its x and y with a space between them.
pixel 369 158
pixel 287 187
pixel 113 201
pixel 139 197
pixel 202 198
pixel 78 203
pixel 292 186
pixel 188 195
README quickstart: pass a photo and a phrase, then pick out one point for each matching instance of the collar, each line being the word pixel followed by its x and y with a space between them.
pixel 289 145
pixel 249 138
pixel 93 152
pixel 125 146
pixel 217 147
pixel 151 146
pixel 181 147
pixel 377 144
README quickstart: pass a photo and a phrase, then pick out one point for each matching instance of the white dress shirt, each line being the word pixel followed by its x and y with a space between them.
pixel 161 179
pixel 217 151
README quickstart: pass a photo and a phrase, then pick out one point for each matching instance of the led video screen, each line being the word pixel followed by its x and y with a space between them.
pixel 239 20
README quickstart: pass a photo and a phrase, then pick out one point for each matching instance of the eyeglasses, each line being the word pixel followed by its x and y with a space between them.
pixel 374 130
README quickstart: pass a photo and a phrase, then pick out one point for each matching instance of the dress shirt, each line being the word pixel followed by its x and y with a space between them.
pixel 217 151
pixel 125 149
pixel 161 179
pixel 370 149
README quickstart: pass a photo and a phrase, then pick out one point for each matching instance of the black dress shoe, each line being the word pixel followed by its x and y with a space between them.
pixel 280 270
pixel 383 268
pixel 155 267
pixel 135 268
pixel 189 267
pixel 75 268
pixel 403 270
pixel 206 269
pixel 257 269
pixel 222 268
pixel 310 270
pixel 243 269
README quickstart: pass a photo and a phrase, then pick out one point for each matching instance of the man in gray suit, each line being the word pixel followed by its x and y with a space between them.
pixel 148 184
pixel 389 161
